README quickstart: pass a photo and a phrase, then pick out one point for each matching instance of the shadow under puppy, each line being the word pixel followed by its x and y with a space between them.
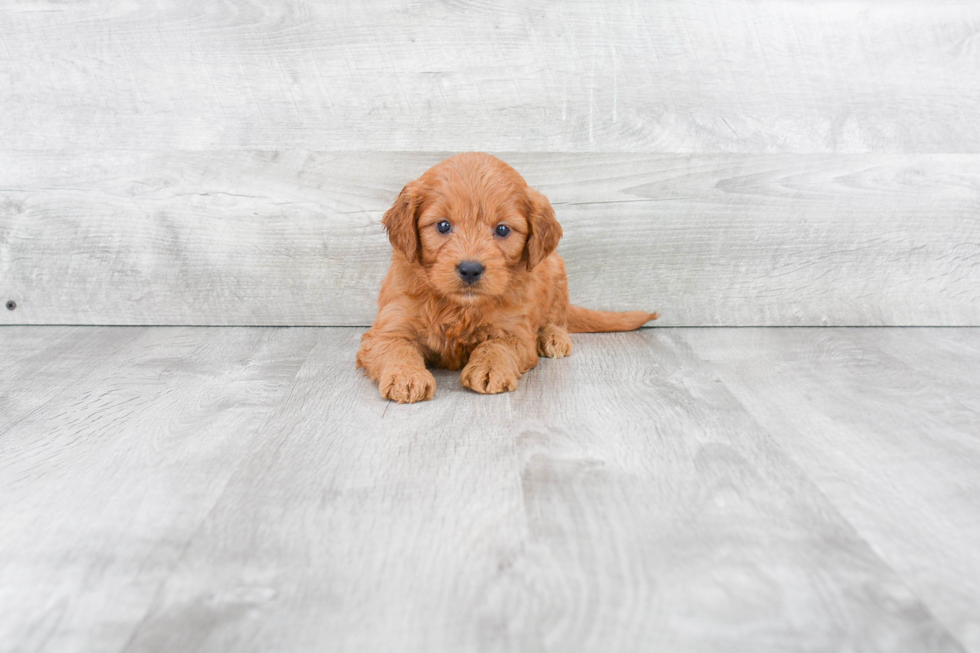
pixel 474 284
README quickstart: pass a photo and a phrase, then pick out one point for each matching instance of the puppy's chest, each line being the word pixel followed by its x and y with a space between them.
pixel 449 344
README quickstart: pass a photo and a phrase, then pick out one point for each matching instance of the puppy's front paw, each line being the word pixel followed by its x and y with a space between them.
pixel 554 342
pixel 486 378
pixel 408 386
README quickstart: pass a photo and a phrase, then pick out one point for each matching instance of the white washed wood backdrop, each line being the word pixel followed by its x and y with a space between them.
pixel 723 162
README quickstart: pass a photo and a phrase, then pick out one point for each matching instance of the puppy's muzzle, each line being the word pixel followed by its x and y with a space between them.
pixel 470 271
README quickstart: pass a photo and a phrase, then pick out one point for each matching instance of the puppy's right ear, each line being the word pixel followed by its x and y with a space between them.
pixel 401 221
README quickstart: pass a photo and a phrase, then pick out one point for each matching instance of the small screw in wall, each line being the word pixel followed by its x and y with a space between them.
pixel 11 305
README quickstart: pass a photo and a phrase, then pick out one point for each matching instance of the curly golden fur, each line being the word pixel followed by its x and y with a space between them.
pixel 492 321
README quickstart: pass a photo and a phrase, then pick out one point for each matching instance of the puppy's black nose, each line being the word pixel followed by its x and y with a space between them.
pixel 469 271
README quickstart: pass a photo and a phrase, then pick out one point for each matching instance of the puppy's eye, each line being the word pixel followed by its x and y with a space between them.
pixel 502 230
pixel 443 226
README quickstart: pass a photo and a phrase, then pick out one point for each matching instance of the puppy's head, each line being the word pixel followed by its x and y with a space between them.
pixel 472 227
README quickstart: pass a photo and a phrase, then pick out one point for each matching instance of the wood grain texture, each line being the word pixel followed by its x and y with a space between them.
pixel 621 499
pixel 887 423
pixel 103 485
pixel 40 365
pixel 294 238
pixel 389 75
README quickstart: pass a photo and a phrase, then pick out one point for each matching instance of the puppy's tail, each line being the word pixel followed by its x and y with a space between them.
pixel 584 320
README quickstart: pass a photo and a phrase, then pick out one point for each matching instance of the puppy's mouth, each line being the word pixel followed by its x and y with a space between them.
pixel 469 293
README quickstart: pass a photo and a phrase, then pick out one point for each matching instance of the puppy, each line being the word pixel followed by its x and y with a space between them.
pixel 474 284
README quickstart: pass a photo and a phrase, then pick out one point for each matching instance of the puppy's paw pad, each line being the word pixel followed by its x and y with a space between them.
pixel 554 343
pixel 408 387
pixel 487 379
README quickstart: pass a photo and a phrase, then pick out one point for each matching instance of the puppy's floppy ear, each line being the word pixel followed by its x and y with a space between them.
pixel 401 221
pixel 544 232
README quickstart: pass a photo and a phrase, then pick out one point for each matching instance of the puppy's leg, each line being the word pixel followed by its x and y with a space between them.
pixel 497 364
pixel 554 341
pixel 398 366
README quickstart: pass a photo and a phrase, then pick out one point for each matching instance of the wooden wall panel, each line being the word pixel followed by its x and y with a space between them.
pixel 387 75
pixel 256 237
pixel 726 162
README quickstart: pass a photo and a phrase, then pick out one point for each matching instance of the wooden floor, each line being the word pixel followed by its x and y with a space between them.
pixel 246 489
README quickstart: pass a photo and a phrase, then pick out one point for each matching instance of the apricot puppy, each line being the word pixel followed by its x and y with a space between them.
pixel 474 284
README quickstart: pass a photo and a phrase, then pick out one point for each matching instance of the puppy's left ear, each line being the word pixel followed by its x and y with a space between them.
pixel 401 221
pixel 544 230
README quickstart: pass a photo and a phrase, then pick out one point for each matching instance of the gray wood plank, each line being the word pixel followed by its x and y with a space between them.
pixel 40 365
pixel 621 499
pixel 102 487
pixel 669 76
pixel 294 238
pixel 26 349
pixel 887 423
